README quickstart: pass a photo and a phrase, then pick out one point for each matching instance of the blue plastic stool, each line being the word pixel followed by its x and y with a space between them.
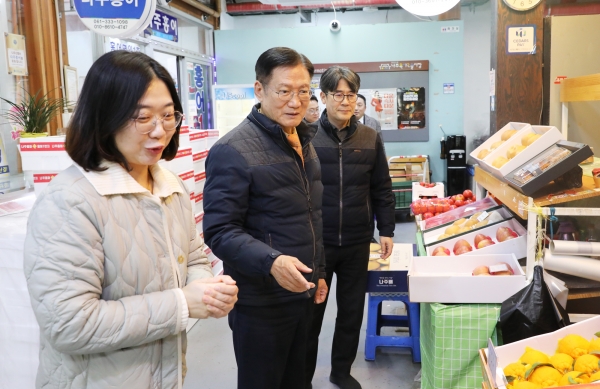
pixel 375 320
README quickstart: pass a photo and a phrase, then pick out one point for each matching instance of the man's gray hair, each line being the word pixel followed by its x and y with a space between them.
pixel 332 76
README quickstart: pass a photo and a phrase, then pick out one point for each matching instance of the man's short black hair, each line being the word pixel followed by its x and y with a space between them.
pixel 280 57
pixel 358 95
pixel 109 99
pixel 332 76
pixel 314 98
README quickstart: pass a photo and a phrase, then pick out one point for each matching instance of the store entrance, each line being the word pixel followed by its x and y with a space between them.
pixel 171 63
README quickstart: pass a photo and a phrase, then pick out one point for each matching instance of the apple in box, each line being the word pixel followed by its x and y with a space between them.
pixel 461 247
pixel 482 241
pixel 440 251
pixel 505 233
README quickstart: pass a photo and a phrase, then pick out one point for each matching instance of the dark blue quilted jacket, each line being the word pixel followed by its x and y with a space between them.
pixel 356 182
pixel 259 203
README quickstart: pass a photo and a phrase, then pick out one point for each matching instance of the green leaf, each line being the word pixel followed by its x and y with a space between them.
pixel 535 366
pixel 597 334
pixel 34 112
pixel 510 378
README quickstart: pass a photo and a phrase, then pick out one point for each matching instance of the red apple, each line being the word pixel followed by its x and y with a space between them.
pixel 481 271
pixel 440 251
pixel 452 207
pixel 427 215
pixel 479 238
pixel 461 247
pixel 505 233
pixel 485 243
pixel 468 194
pixel 460 197
pixel 459 203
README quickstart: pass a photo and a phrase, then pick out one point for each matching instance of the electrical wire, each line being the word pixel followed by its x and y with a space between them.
pixel 334 14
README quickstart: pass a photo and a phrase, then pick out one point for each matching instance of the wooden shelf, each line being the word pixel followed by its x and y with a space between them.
pixel 550 195
pixel 585 88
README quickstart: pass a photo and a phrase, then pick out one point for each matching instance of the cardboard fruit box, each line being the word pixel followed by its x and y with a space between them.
pixel 450 279
pixel 549 136
pixel 45 153
pixel 546 343
pixel 517 245
pixel 495 138
pixel 393 278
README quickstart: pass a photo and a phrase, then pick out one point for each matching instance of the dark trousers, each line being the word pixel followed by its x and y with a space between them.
pixel 350 264
pixel 270 344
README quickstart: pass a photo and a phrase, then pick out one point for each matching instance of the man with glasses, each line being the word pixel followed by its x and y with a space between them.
pixel 262 204
pixel 312 114
pixel 357 185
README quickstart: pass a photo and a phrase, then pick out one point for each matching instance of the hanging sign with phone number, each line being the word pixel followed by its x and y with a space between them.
pixel 115 18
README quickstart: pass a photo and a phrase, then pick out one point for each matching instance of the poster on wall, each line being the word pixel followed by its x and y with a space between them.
pixel 199 100
pixel 234 103
pixel 381 105
pixel 411 108
pixel 16 57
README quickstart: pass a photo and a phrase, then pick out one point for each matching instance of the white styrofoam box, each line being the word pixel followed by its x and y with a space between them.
pixel 199 217
pixel 193 200
pixel 550 135
pixel 188 179
pixel 184 136
pixel 45 153
pixel 200 179
pixel 41 179
pixel 495 138
pixel 450 280
pixel 418 190
pixel 200 161
pixel 213 136
pixel 546 343
pixel 217 267
pixel 518 245
pixel 183 160
pixel 493 216
pixel 198 139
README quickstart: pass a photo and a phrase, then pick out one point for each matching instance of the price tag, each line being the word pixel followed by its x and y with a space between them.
pixel 492 360
pixel 498 268
pixel 483 216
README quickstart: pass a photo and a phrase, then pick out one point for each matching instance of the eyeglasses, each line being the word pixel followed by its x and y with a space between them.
pixel 287 95
pixel 145 124
pixel 339 97
pixel 313 110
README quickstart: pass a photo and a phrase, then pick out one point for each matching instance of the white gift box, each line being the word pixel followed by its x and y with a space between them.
pixel 188 180
pixel 213 136
pixel 199 140
pixel 44 153
pixel 183 160
pixel 200 179
pixel 200 161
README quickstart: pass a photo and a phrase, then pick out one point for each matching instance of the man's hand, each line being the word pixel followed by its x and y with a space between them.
pixel 386 246
pixel 286 271
pixel 321 292
pixel 213 297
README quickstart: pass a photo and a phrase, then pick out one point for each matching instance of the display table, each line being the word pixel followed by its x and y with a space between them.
pixel 451 336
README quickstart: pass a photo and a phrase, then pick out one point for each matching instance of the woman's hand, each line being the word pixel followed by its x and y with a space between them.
pixel 213 297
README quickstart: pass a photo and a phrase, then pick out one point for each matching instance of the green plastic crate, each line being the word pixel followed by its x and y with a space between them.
pixel 403 193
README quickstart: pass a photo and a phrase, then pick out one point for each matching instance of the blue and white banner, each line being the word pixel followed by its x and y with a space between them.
pixel 115 18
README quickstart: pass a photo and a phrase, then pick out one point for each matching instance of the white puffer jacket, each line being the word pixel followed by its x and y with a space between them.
pixel 104 261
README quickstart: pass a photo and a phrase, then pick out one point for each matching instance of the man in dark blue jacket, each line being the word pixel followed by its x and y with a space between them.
pixel 262 204
pixel 357 185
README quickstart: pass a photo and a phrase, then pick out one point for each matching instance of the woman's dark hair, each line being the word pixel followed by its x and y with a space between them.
pixel 361 97
pixel 112 89
pixel 332 76
pixel 280 57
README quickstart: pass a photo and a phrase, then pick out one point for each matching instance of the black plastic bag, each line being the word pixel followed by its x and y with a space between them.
pixel 531 311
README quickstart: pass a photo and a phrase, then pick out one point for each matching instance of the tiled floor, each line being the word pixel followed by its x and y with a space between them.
pixel 211 362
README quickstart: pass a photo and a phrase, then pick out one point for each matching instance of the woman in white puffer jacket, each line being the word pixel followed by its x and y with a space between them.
pixel 113 261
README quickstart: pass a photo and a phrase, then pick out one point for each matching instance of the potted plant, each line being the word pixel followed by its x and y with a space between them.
pixel 33 113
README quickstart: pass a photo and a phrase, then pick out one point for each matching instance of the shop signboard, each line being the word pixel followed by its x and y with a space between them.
pixel 115 18
pixel 199 95
pixel 164 26
pixel 112 44
pixel 234 103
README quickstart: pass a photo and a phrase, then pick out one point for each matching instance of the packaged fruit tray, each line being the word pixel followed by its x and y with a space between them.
pixel 502 135
pixel 520 148
pixel 576 340
pixel 457 213
pixel 502 238
pixel 451 280
pixel 547 166
pixel 463 226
